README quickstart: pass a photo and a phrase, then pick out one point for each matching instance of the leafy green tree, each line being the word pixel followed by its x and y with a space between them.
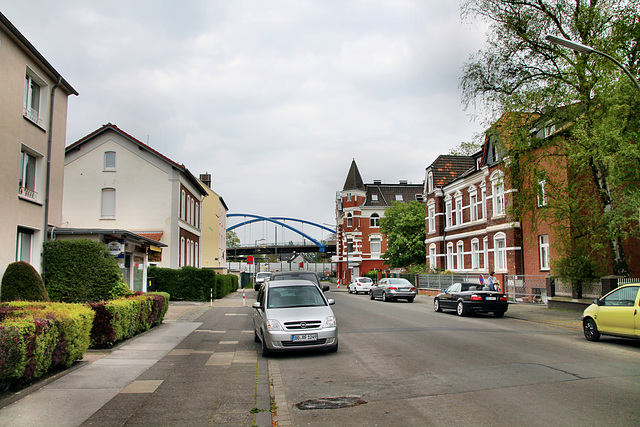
pixel 467 148
pixel 404 226
pixel 232 239
pixel 584 100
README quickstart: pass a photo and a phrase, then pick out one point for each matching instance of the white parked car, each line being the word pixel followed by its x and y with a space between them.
pixel 360 284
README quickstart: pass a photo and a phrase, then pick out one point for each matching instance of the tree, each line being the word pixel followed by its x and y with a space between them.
pixel 583 99
pixel 467 148
pixel 404 226
pixel 232 239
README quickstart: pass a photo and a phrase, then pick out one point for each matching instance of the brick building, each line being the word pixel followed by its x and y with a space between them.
pixel 359 208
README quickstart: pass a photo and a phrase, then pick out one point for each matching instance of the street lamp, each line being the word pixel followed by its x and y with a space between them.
pixel 255 256
pixel 586 49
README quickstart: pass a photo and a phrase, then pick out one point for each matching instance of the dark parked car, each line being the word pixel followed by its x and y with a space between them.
pixel 299 275
pixel 466 298
pixel 392 288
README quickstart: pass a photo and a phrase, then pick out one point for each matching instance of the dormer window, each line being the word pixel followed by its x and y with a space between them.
pixel 374 197
pixel 399 197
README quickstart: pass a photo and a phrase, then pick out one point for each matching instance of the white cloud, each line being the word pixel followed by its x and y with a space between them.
pixel 273 98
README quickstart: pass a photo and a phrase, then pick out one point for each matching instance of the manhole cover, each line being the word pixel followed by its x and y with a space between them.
pixel 330 403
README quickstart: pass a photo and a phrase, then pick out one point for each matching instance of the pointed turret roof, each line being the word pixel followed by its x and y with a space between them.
pixel 354 180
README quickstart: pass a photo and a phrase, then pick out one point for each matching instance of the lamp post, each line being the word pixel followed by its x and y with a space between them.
pixel 586 49
pixel 255 257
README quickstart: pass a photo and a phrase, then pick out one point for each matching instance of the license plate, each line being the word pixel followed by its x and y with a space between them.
pixel 491 299
pixel 304 337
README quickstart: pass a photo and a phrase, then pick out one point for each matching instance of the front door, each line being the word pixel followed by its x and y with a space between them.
pixel 619 310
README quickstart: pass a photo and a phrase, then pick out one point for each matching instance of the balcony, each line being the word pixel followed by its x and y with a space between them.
pixel 27 194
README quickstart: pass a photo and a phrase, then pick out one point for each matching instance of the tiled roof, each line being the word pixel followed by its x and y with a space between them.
pixel 153 235
pixel 446 168
pixel 386 193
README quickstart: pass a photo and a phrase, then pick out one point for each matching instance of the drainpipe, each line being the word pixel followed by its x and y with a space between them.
pixel 48 171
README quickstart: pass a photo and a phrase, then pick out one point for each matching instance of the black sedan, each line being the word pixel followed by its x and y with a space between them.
pixel 466 298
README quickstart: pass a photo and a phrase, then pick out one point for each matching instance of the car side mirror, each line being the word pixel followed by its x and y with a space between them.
pixel 256 305
pixel 597 301
pixel 331 301
pixel 325 288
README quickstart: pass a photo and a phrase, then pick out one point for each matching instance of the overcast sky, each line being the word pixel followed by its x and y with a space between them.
pixel 273 98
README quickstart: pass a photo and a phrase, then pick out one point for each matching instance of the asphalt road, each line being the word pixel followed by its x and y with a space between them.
pixel 410 366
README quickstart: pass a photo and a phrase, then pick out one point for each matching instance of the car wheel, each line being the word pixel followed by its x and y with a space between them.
pixel 371 295
pixel 355 291
pixel 498 313
pixel 409 299
pixel 460 309
pixel 591 332
pixel 436 305
pixel 265 350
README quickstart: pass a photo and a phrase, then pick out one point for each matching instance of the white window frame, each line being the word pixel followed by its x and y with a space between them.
pixel 182 252
pixel 30 161
pixel 473 206
pixel 24 244
pixel 542 194
pixel 485 253
pixel 349 220
pixel 377 241
pixel 460 255
pixel 475 254
pixel 497 194
pixel 34 114
pixel 448 214
pixel 459 210
pixel 500 252
pixel 431 210
pixel 449 265
pixel 108 165
pixel 108 203
pixel 543 242
pixel 374 220
pixel 483 200
pixel 430 182
pixel 432 255
pixel 399 198
pixel 183 201
pixel 374 197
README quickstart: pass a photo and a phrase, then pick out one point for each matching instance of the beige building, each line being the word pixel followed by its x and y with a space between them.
pixel 214 229
pixel 33 126
pixel 113 181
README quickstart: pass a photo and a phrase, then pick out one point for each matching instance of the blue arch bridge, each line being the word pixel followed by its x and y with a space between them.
pixel 309 244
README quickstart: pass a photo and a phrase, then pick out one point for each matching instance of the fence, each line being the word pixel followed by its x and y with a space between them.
pixel 526 288
pixel 443 281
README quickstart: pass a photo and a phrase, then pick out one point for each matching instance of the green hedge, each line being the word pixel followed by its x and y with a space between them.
pixel 79 271
pixel 193 284
pixel 37 337
pixel 123 318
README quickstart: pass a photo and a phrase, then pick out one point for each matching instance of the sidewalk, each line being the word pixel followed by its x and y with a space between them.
pixel 200 367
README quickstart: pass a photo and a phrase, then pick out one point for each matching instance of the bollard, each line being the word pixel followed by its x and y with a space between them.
pixel 211 303
pixel 243 303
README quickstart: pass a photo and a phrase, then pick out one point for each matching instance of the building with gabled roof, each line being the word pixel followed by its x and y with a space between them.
pixel 115 181
pixel 360 244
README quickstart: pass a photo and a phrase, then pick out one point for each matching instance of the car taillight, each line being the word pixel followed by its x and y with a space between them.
pixel 358 284
pixel 503 298
pixel 413 288
pixel 476 298
pixel 393 288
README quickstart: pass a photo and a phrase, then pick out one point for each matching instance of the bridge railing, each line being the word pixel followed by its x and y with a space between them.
pixel 279 244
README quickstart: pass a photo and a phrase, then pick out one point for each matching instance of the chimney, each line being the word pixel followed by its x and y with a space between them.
pixel 403 182
pixel 206 179
pixel 377 181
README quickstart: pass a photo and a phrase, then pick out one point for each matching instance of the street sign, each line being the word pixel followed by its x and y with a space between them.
pixel 250 259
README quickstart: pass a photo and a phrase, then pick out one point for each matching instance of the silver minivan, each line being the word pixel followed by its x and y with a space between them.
pixel 294 315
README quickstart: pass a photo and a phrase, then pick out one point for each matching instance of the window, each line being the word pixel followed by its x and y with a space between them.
pixel 109 160
pixel 544 251
pixel 432 255
pixel 483 202
pixel 448 209
pixel 188 211
pixel 475 254
pixel 625 297
pixel 374 220
pixel 192 212
pixel 182 252
pixel 460 256
pixel 349 246
pixel 449 256
pixel 542 195
pixel 430 182
pixel 485 252
pixel 497 192
pixel 500 251
pixel 374 197
pixel 399 197
pixel 24 244
pixel 349 220
pixel 33 98
pixel 108 203
pixel 459 211
pixel 473 207
pixel 376 245
pixel 30 168
pixel 432 217
pixel 196 221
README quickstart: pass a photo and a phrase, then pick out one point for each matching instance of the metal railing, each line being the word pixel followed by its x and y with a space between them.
pixel 442 281
pixel 526 288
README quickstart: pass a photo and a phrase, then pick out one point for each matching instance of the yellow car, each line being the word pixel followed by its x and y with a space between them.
pixel 616 313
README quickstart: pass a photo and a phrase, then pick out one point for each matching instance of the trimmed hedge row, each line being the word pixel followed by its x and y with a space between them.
pixel 38 337
pixel 193 284
pixel 121 319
